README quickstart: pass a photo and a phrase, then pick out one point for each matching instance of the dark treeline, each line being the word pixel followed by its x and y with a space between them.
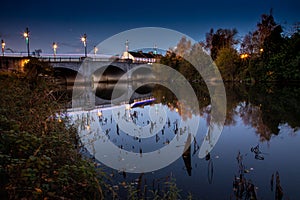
pixel 264 54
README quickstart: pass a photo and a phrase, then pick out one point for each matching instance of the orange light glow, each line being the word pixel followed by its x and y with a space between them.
pixel 244 55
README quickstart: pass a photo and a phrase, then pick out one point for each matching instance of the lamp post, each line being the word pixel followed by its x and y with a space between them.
pixel 3 46
pixel 95 50
pixel 155 49
pixel 127 48
pixel 26 36
pixel 54 49
pixel 83 40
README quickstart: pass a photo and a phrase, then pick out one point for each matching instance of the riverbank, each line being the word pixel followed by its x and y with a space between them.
pixel 39 154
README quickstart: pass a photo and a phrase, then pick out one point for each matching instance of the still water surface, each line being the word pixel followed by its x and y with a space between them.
pixel 256 154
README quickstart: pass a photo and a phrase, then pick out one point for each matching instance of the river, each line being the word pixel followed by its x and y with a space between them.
pixel 256 153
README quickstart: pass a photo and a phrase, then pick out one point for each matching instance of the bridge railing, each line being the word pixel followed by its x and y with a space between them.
pixel 61 59
pixel 76 59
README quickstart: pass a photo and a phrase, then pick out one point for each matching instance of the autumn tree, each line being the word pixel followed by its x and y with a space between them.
pixel 183 47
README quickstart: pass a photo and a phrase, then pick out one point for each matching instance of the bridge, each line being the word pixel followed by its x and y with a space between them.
pixel 93 78
pixel 96 79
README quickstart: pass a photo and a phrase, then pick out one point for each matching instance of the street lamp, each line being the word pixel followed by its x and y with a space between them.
pixel 3 46
pixel 127 48
pixel 83 40
pixel 95 50
pixel 54 48
pixel 244 56
pixel 26 36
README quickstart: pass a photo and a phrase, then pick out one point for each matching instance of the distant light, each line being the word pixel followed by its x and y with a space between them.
pixel 83 39
pixel 3 44
pixel 95 50
pixel 25 35
pixel 244 55
pixel 261 50
pixel 24 62
pixel 127 107
pixel 99 114
pixel 88 127
pixel 55 45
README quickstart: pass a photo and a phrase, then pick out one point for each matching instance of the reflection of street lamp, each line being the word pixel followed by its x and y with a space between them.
pixel 3 46
pixel 26 36
pixel 54 48
pixel 83 40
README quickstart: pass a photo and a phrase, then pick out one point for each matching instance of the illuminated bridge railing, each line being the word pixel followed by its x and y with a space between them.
pixel 61 59
pixel 76 59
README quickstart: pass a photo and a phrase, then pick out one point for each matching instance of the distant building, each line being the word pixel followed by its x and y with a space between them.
pixel 141 57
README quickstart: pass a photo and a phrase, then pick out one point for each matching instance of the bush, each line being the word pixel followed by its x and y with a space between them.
pixel 39 154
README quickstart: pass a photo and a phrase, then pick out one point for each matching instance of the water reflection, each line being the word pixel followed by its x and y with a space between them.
pixel 153 140
pixel 262 121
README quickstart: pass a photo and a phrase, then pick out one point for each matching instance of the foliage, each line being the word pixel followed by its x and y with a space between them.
pixel 189 60
pixel 169 192
pixel 267 53
pixel 228 63
pixel 39 154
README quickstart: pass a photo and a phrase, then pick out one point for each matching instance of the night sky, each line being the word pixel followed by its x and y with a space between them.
pixel 65 22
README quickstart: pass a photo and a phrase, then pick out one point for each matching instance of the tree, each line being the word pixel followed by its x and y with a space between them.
pixel 265 47
pixel 222 38
pixel 228 63
pixel 282 55
pixel 247 45
pixel 183 47
pixel 253 42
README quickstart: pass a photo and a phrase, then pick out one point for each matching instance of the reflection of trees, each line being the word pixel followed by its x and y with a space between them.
pixel 185 108
pixel 262 107
pixel 252 115
pixel 268 107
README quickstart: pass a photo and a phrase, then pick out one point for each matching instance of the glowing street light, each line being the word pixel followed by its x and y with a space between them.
pixel 244 55
pixel 3 46
pixel 95 50
pixel 26 36
pixel 83 40
pixel 54 48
